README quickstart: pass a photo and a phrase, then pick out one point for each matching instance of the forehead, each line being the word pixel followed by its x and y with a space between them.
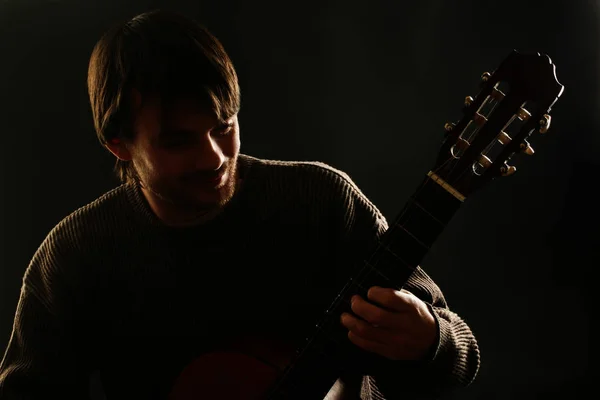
pixel 180 110
pixel 177 112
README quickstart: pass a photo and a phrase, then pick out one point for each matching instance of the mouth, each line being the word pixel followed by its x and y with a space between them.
pixel 214 180
pixel 218 179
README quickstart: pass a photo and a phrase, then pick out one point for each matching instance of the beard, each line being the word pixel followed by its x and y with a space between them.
pixel 190 196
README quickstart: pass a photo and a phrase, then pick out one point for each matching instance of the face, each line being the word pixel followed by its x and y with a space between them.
pixel 185 158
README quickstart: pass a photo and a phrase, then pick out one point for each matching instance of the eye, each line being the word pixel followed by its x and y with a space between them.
pixel 176 139
pixel 224 130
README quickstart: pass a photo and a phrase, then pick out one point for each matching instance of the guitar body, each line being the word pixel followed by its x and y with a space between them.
pixel 244 369
pixel 225 375
pixel 513 103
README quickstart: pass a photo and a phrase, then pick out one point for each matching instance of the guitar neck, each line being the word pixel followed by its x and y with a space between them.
pixel 410 235
pixel 398 253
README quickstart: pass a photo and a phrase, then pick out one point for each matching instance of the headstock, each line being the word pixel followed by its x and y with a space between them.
pixel 514 102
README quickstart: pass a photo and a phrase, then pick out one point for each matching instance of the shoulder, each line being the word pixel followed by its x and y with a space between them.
pixel 88 221
pixel 71 243
pixel 316 172
pixel 325 181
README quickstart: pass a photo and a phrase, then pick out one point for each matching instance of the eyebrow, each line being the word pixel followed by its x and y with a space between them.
pixel 163 133
pixel 168 132
pixel 225 124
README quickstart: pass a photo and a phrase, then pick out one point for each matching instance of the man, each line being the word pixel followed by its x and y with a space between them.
pixel 174 281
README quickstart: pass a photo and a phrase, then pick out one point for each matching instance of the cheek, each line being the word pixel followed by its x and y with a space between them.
pixel 173 165
pixel 229 145
pixel 234 144
pixel 158 164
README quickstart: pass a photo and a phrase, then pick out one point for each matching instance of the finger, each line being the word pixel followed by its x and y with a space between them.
pixel 369 345
pixel 366 330
pixel 373 314
pixel 392 299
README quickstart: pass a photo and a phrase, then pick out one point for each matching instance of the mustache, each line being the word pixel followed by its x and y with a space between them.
pixel 205 175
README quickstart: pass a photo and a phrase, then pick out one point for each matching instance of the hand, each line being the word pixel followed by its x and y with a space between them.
pixel 399 327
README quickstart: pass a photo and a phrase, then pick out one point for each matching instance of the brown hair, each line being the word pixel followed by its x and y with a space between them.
pixel 157 53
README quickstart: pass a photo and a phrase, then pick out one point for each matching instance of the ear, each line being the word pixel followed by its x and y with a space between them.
pixel 119 150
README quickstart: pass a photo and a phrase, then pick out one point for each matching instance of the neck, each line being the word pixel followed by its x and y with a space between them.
pixel 176 216
pixel 172 215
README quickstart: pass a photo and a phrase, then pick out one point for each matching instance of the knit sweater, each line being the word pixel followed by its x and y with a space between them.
pixel 114 291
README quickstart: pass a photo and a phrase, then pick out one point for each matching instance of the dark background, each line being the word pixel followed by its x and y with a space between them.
pixel 365 87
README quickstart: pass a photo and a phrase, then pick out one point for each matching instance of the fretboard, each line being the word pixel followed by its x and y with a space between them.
pixel 396 255
pixel 409 237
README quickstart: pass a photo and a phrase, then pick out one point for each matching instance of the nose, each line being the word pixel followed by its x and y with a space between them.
pixel 211 157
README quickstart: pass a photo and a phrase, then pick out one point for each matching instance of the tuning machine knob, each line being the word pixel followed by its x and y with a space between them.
pixel 507 170
pixel 485 77
pixel 545 123
pixel 468 101
pixel 526 148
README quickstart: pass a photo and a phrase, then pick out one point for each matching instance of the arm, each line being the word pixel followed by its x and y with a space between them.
pixel 453 360
pixel 452 363
pixel 45 358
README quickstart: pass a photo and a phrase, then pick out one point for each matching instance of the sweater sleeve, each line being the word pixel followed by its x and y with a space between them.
pixel 44 357
pixel 454 360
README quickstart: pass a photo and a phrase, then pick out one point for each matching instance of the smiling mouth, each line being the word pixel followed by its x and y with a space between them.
pixel 215 180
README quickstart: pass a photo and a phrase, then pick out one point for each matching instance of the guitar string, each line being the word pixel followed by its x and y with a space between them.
pixel 369 267
pixel 369 264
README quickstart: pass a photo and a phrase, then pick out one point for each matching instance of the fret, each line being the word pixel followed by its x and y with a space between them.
pixel 400 241
pixel 394 268
pixel 435 200
pixel 414 231
pixel 421 225
pixel 373 274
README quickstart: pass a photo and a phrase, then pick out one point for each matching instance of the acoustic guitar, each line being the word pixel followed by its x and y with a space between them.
pixel 513 103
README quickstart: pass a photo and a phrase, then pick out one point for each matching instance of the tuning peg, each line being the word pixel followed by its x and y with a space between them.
pixel 448 126
pixel 545 123
pixel 507 170
pixel 523 114
pixel 485 76
pixel 504 138
pixel 468 101
pixel 526 148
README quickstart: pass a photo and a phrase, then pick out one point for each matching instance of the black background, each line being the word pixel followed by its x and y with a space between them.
pixel 367 88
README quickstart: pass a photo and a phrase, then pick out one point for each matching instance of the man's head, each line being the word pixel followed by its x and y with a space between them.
pixel 165 97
